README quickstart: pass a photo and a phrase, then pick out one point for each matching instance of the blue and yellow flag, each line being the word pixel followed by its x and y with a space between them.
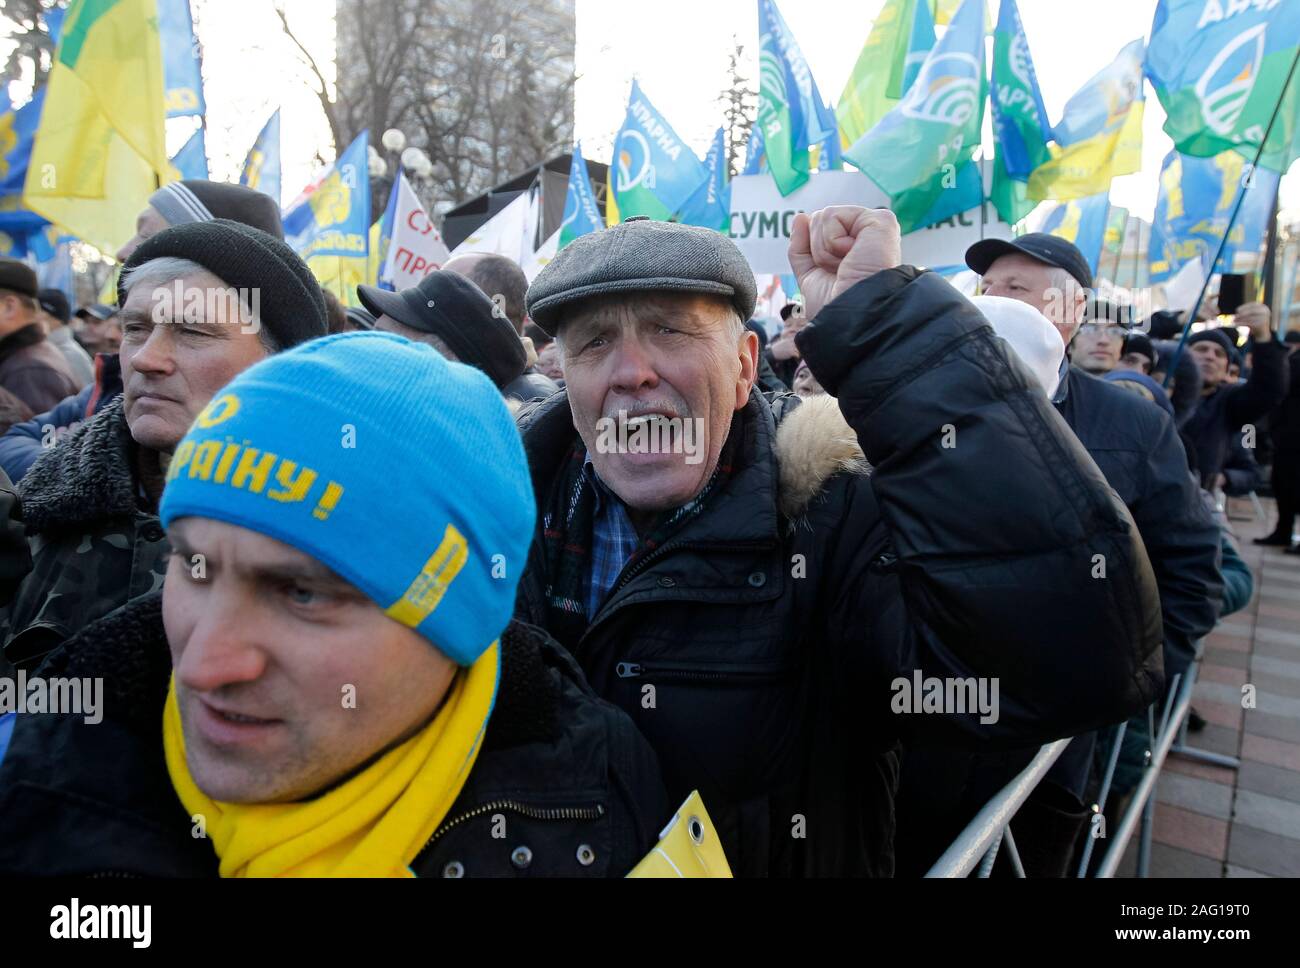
pixel 1218 67
pixel 1083 222
pixel 652 172
pixel 330 227
pixel 755 156
pixel 262 166
pixel 581 213
pixel 192 160
pixel 1195 201
pixel 1099 135
pixel 710 206
pixel 17 131
pixel 101 150
pixel 182 77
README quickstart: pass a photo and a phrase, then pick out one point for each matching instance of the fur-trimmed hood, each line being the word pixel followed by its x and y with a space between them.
pixel 88 478
pixel 813 444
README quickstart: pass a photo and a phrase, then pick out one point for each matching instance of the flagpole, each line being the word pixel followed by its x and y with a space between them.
pixel 1232 219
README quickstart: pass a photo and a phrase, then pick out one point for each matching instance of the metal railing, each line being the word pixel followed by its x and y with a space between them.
pixel 977 846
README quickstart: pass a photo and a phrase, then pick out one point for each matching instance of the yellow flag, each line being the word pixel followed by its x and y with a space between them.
pixel 340 275
pixel 1086 167
pixel 100 150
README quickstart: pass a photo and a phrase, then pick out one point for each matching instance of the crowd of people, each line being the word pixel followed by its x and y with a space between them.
pixel 386 591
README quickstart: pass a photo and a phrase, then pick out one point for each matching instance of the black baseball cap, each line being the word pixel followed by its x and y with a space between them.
pixel 449 306
pixel 18 277
pixel 100 311
pixel 1045 248
pixel 54 302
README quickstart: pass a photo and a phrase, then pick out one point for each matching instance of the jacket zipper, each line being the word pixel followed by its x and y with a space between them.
pixel 636 670
pixel 593 812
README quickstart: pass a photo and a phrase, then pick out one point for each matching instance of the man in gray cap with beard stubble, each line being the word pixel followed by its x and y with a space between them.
pixel 727 569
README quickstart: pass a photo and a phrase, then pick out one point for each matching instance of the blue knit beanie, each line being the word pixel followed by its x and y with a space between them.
pixel 400 471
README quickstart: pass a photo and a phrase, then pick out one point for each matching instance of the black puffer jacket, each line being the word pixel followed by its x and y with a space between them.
pixel 564 770
pixel 773 625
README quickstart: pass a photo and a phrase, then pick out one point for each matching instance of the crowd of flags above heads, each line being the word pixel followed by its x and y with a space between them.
pixel 909 118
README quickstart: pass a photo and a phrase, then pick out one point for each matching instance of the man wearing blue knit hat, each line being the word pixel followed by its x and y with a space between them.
pixel 330 683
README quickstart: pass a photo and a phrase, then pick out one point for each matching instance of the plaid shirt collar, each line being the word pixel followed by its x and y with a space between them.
pixel 613 540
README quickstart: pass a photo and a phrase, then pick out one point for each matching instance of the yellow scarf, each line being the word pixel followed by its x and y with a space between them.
pixel 375 823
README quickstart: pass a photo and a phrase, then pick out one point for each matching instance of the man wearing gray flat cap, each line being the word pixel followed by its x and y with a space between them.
pixel 728 568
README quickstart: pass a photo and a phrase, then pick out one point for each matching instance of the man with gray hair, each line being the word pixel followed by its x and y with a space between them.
pixel 724 569
pixel 200 302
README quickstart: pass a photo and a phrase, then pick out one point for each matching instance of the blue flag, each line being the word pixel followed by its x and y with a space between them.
pixel 17 129
pixel 334 219
pixel 581 213
pixel 1219 68
pixel 192 160
pixel 182 79
pixel 1019 117
pixel 710 206
pixel 652 172
pixel 1194 204
pixel 386 223
pixel 830 153
pixel 1083 222
pixel 262 166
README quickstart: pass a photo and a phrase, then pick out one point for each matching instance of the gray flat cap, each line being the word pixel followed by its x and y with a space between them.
pixel 637 256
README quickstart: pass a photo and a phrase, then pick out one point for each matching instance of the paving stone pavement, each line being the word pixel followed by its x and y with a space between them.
pixel 1211 821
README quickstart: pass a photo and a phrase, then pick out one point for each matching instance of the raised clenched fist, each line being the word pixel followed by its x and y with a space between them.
pixel 837 247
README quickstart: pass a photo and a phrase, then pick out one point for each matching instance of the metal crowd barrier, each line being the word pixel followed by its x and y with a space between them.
pixel 977 847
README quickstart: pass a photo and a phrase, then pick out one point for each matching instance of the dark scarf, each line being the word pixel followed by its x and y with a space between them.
pixel 567 530
pixel 19 339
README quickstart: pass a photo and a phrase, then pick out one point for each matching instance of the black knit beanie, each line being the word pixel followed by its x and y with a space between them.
pixel 290 302
pixel 197 200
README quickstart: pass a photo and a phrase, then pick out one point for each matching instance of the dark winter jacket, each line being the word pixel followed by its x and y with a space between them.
pixel 1137 448
pixel 757 648
pixel 1227 410
pixel 562 768
pixel 33 369
pixel 15 556
pixel 95 537
pixel 22 443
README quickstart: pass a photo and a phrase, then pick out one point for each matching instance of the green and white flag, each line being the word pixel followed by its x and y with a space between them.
pixel 918 149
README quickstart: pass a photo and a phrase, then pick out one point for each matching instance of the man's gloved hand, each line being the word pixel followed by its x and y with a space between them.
pixel 835 248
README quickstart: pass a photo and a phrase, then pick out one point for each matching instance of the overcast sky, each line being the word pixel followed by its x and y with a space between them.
pixel 677 48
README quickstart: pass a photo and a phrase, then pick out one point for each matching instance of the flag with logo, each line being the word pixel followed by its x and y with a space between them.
pixel 1081 221
pixel 17 132
pixel 1195 201
pixel 1116 228
pixel 101 150
pixel 919 149
pixel 790 108
pixel 329 225
pixel 412 246
pixel 182 76
pixel 1019 118
pixel 710 206
pixel 192 160
pixel 866 98
pixel 1099 135
pixel 581 213
pixel 1219 67
pixel 652 172
pixel 261 169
